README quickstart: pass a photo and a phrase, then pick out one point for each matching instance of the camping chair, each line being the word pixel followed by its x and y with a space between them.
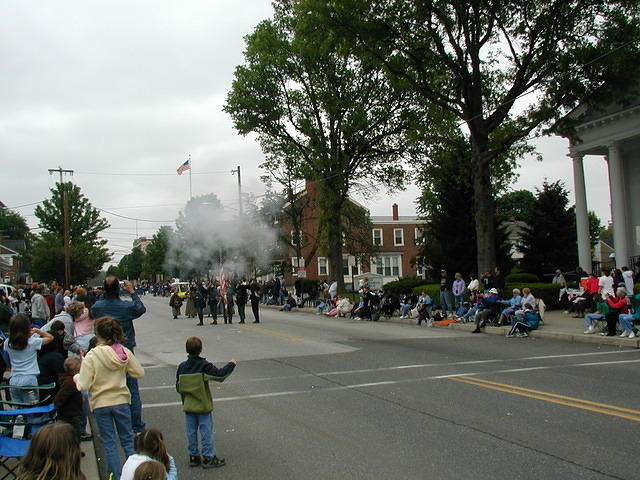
pixel 542 308
pixel 16 428
pixel 5 398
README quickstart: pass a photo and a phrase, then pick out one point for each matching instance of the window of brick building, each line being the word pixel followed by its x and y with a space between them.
pixel 377 236
pixel 398 237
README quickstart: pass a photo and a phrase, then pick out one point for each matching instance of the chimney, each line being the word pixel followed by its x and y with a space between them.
pixel 312 190
pixel 394 209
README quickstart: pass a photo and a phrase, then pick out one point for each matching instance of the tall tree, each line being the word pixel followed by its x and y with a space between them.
pixel 13 225
pixel 446 204
pixel 502 68
pixel 155 258
pixel 88 252
pixel 549 239
pixel 516 204
pixel 313 104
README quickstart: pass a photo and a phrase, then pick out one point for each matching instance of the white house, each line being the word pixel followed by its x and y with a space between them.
pixel 611 132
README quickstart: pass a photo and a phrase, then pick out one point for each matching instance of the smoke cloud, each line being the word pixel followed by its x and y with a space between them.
pixel 210 238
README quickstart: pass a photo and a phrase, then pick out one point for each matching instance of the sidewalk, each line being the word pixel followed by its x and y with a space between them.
pixel 556 326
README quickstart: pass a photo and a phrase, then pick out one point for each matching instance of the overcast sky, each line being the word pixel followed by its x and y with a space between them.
pixel 134 87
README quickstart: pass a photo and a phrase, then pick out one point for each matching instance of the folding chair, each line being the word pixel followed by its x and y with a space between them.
pixel 20 423
pixel 7 402
pixel 542 308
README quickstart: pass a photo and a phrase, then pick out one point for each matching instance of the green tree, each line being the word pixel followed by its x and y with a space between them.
pixel 329 116
pixel 549 239
pixel 155 258
pixel 446 204
pixel 504 69
pixel 13 225
pixel 516 204
pixel 595 228
pixel 134 264
pixel 87 251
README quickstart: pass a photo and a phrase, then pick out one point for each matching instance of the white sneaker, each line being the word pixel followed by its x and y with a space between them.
pixel 623 334
pixel 632 335
pixel 589 331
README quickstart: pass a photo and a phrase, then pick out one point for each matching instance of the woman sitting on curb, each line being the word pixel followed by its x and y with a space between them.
pixel 531 322
pixel 601 310
pixel 627 319
pixel 617 305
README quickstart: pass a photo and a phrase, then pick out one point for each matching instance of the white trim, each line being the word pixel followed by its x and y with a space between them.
pixel 395 243
pixel 326 265
pixel 373 236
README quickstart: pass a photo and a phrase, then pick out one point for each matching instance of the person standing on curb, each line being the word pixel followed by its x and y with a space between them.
pixel 446 299
pixel 125 313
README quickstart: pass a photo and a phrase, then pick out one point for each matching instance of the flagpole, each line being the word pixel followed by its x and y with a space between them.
pixel 190 169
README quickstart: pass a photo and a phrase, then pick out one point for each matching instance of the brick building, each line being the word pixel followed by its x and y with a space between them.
pixel 396 239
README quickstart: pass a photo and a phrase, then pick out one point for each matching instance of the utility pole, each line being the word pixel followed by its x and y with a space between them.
pixel 233 172
pixel 65 207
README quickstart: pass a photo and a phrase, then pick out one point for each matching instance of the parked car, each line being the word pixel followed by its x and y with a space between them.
pixel 7 289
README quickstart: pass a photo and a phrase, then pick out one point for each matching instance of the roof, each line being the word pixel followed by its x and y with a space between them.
pixel 597 109
pixel 401 219
pixel 7 251
pixel 14 244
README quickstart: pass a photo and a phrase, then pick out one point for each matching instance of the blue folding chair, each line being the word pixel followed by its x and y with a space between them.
pixel 17 426
pixel 11 451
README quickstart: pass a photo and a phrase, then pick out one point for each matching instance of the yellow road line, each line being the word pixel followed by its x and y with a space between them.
pixel 562 397
pixel 273 333
pixel 602 408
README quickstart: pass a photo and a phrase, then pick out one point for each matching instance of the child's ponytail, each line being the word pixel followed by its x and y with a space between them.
pixel 151 443
pixel 19 331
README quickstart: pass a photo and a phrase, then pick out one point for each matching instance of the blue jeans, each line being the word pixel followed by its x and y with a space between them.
pixel 626 322
pixel 241 311
pixel 446 301
pixel 38 322
pixel 20 395
pixel 459 301
pixel 110 419
pixel 467 316
pixel 136 405
pixel 590 317
pixel 203 422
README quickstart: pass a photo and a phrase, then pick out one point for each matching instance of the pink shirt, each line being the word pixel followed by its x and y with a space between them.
pixel 83 325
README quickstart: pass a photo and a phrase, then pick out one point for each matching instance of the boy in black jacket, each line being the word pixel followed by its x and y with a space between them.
pixel 192 383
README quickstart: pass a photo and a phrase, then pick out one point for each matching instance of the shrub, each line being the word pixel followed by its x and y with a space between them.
pixel 403 285
pixel 522 277
pixel 432 289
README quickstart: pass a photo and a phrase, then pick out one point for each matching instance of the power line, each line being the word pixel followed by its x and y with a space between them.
pixel 25 205
pixel 140 174
pixel 133 218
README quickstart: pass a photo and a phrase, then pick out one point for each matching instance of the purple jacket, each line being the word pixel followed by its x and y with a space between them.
pixel 458 287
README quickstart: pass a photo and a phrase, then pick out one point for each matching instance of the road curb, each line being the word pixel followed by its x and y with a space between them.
pixel 561 336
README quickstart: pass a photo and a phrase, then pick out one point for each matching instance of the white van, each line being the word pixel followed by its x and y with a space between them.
pixel 7 289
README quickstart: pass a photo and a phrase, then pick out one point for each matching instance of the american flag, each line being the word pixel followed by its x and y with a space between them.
pixel 184 167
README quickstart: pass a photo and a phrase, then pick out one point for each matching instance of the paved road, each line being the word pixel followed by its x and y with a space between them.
pixel 319 398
